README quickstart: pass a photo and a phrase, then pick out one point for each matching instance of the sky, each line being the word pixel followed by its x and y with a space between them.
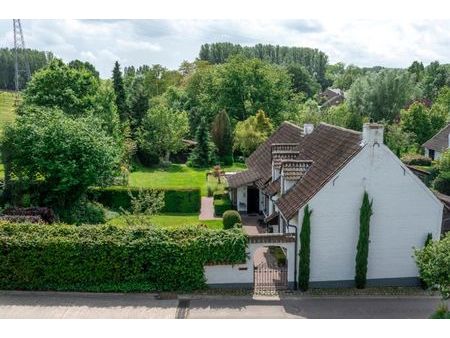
pixel 168 42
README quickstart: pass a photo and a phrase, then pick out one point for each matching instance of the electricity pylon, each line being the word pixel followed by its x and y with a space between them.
pixel 20 50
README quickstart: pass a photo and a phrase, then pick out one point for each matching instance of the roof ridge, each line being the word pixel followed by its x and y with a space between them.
pixel 341 128
pixel 291 124
pixel 437 134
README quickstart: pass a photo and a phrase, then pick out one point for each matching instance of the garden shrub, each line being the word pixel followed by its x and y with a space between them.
pixel 442 182
pixel 175 201
pixel 83 212
pixel 108 258
pixel 416 159
pixel 45 214
pixel 231 218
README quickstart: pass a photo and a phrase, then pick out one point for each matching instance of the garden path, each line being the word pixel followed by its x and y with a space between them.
pixel 207 209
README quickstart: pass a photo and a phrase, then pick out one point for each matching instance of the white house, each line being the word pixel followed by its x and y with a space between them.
pixel 439 143
pixel 329 168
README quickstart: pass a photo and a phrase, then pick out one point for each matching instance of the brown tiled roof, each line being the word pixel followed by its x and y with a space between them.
pixel 261 159
pixel 243 178
pixel 272 188
pixel 439 142
pixel 271 217
pixel 294 169
pixel 330 148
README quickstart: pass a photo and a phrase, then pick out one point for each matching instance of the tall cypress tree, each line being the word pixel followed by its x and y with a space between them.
pixel 119 89
pixel 203 153
pixel 305 250
pixel 362 250
pixel 222 137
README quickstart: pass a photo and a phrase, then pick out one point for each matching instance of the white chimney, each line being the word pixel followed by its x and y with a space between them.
pixel 308 128
pixel 373 133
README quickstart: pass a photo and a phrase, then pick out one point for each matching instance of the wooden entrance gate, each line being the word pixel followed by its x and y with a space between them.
pixel 270 278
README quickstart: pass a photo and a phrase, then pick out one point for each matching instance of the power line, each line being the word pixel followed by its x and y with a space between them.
pixel 20 55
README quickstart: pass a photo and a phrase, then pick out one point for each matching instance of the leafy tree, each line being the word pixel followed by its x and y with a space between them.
pixel 72 90
pixel 436 77
pixel 64 154
pixel 249 134
pixel 398 140
pixel 162 131
pixel 303 112
pixel 119 89
pixel 80 65
pixel 342 116
pixel 440 110
pixel 381 96
pixel 418 70
pixel 416 120
pixel 242 86
pixel 222 137
pixel 204 152
pixel 362 250
pixel 302 81
pixel 37 60
pixel 345 79
pixel 433 261
pixel 138 101
pixel 305 250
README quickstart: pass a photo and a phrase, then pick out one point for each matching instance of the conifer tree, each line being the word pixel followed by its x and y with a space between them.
pixel 362 250
pixel 222 137
pixel 119 89
pixel 203 153
pixel 305 249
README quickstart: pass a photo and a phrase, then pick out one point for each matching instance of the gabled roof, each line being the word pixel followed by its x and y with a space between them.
pixel 273 187
pixel 261 159
pixel 330 148
pixel 439 142
pixel 259 162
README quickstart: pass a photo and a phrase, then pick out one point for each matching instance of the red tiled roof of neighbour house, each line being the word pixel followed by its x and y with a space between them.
pixel 439 142
pixel 330 148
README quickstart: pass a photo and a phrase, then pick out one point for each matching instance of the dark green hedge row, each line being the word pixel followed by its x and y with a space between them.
pixel 108 258
pixel 222 205
pixel 176 201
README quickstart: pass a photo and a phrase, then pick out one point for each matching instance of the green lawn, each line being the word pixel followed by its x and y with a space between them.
pixel 6 108
pixel 172 220
pixel 176 176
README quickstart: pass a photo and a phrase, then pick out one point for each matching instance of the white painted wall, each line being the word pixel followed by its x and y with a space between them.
pixel 242 198
pixel 230 274
pixel 404 212
pixel 261 201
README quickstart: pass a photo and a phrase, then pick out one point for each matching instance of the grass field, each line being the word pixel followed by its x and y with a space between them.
pixel 172 221
pixel 6 108
pixel 176 176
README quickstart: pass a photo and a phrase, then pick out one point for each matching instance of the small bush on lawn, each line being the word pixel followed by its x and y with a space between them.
pixel 108 258
pixel 416 159
pixel 231 218
pixel 175 201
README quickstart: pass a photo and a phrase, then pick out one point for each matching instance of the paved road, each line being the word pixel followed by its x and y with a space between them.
pixel 85 305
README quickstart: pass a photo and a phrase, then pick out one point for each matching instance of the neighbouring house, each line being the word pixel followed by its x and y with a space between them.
pixel 332 97
pixel 329 168
pixel 439 143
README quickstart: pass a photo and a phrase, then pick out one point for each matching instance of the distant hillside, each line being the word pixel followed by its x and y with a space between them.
pixel 6 107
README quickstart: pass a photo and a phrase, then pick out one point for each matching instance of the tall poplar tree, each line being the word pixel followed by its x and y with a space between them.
pixel 305 250
pixel 362 250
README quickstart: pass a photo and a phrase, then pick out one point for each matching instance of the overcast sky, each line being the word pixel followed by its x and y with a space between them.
pixel 168 42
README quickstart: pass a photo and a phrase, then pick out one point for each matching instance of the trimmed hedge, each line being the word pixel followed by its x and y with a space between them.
pixel 177 201
pixel 108 258
pixel 222 205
